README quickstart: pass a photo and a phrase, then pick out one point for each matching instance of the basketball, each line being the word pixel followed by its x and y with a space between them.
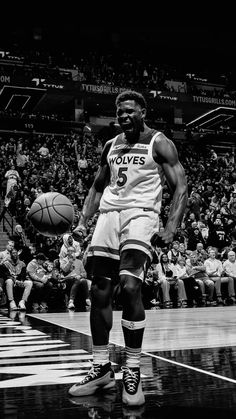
pixel 51 214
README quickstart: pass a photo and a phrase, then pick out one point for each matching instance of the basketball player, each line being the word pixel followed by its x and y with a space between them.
pixel 127 190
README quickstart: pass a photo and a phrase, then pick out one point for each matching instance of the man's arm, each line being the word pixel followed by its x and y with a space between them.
pixel 93 198
pixel 166 155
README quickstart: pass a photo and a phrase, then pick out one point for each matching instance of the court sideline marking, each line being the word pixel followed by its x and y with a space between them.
pixel 221 377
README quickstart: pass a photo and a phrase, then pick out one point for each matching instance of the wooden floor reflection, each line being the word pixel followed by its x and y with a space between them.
pixel 188 365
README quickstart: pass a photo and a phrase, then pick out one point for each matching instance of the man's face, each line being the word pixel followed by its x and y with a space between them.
pixel 212 254
pixel 231 257
pixel 193 258
pixel 199 246
pixel 176 246
pixel 10 246
pixel 181 247
pixel 70 240
pixel 14 255
pixel 130 117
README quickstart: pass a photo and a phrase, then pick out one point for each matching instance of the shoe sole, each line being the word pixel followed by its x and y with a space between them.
pixel 78 391
pixel 136 399
pixel 131 401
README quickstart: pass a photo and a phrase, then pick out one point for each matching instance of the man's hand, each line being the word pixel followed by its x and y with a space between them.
pixel 79 232
pixel 19 283
pixel 161 239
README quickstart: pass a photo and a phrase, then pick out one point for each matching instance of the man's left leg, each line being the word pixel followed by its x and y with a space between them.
pixel 27 290
pixel 133 325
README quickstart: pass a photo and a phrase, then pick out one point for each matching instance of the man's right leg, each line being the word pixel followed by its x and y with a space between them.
pixel 101 376
pixel 9 291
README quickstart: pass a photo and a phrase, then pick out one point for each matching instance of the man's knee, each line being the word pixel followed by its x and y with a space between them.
pixel 101 291
pixel 38 285
pixel 28 284
pixel 131 281
pixel 100 282
pixel 9 281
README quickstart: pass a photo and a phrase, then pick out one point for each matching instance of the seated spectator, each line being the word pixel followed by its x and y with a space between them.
pixel 217 235
pixel 229 269
pixel 2 293
pixel 181 274
pixel 58 285
pixel 201 252
pixel 166 274
pixel 197 281
pixel 68 241
pixel 42 287
pixel 13 271
pixel 50 248
pixel 20 244
pixel 182 252
pixel 150 291
pixel 173 254
pixel 181 234
pixel 157 252
pixel 214 270
pixel 75 278
pixel 6 254
pixel 195 237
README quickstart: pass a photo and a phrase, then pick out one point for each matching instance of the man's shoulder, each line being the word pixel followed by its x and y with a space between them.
pixel 164 148
pixel 21 263
pixel 33 262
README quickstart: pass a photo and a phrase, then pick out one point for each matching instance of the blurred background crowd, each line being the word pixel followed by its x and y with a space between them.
pixel 49 273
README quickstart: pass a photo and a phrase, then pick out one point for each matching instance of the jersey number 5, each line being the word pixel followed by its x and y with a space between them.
pixel 122 178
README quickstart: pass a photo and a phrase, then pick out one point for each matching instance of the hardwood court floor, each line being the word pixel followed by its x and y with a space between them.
pixel 188 365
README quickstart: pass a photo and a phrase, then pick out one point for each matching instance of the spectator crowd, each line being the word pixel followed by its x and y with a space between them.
pixel 40 273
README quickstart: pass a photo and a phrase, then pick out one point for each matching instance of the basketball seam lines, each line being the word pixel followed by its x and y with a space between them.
pixel 49 206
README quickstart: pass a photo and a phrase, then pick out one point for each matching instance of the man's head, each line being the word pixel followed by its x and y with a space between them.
pixel 199 247
pixel 68 239
pixel 182 248
pixel 131 111
pixel 14 255
pixel 193 257
pixel 41 258
pixel 18 229
pixel 231 256
pixel 10 245
pixel 212 253
pixel 175 245
pixel 194 225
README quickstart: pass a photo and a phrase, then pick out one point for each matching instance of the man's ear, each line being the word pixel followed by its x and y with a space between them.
pixel 144 113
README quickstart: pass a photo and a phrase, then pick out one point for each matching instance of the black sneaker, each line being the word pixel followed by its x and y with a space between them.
pixel 132 388
pixel 220 302
pixel 231 300
pixel 99 377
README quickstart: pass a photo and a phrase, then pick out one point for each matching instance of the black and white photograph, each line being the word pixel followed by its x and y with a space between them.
pixel 117 217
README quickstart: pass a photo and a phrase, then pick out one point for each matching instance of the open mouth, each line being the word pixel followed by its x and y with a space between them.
pixel 127 127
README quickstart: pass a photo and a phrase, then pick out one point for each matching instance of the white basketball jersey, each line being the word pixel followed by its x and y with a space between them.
pixel 136 180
